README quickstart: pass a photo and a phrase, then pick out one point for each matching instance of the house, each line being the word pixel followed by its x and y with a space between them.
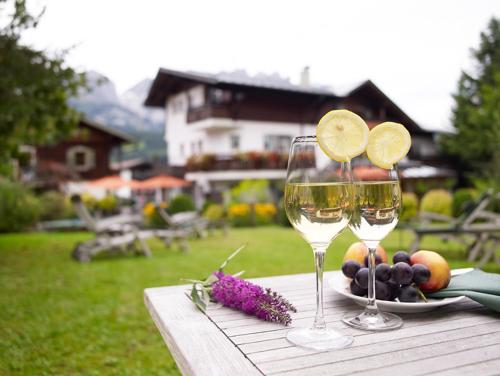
pixel 222 128
pixel 84 155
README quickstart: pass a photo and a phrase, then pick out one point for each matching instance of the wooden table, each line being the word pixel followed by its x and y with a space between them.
pixel 459 339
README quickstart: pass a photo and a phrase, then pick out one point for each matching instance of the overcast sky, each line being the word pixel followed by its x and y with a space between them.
pixel 413 50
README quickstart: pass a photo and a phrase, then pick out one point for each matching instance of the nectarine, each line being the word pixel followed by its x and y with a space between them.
pixel 438 266
pixel 357 252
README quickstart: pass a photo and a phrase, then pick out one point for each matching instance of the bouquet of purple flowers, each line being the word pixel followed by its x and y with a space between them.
pixel 234 292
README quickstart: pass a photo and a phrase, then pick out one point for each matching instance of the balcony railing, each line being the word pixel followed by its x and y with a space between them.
pixel 208 111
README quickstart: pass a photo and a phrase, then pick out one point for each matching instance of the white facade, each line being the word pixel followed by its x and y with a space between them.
pixel 221 136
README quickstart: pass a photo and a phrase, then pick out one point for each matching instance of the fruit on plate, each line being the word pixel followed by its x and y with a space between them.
pixel 401 282
pixel 440 274
pixel 342 135
pixel 357 252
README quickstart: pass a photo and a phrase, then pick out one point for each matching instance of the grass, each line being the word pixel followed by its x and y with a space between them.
pixel 61 317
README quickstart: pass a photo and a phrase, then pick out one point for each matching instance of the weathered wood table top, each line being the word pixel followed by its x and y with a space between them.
pixel 459 339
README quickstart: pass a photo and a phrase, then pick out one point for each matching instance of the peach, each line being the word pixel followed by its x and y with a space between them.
pixel 357 252
pixel 438 266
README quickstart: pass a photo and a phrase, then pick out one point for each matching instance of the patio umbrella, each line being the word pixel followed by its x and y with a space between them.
pixel 369 173
pixel 161 181
pixel 112 182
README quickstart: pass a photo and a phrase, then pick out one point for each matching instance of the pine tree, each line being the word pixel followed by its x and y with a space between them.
pixel 476 113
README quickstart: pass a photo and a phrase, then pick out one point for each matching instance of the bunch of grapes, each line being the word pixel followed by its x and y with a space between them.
pixel 399 282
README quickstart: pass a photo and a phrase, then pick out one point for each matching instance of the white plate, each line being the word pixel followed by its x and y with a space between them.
pixel 341 285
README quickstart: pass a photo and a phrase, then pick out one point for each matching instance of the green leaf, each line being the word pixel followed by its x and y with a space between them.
pixel 211 279
pixel 195 297
pixel 231 256
pixel 240 273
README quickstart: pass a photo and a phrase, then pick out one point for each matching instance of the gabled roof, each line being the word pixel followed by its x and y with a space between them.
pixel 124 137
pixel 170 79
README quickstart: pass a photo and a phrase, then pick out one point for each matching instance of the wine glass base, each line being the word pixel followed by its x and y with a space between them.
pixel 373 320
pixel 321 340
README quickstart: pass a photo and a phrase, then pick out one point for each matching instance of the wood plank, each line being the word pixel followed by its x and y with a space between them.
pixel 192 337
pixel 394 345
pixel 480 367
pixel 407 362
pixel 463 354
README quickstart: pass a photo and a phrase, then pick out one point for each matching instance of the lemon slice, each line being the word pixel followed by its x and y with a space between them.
pixel 388 143
pixel 342 135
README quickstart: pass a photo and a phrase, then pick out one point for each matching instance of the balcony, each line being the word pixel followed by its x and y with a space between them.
pixel 241 161
pixel 208 111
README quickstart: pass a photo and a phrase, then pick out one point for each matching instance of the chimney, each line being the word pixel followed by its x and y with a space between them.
pixel 304 77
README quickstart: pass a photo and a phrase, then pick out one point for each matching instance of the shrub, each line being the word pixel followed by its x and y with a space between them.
pixel 151 215
pixel 19 208
pixel 265 213
pixel 410 206
pixel 89 201
pixel 461 197
pixel 437 201
pixel 54 205
pixel 251 192
pixel 214 212
pixel 108 204
pixel 240 215
pixel 181 203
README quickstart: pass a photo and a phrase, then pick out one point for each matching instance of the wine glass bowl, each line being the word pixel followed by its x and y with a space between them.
pixel 318 201
pixel 376 208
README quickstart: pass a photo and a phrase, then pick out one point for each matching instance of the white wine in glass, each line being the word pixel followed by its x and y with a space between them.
pixel 377 203
pixel 318 204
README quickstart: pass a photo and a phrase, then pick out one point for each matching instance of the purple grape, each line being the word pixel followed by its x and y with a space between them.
pixel 402 273
pixel 350 268
pixel 382 291
pixel 394 287
pixel 421 273
pixel 383 272
pixel 408 294
pixel 378 260
pixel 356 290
pixel 401 256
pixel 361 278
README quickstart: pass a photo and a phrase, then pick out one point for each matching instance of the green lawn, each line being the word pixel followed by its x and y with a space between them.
pixel 61 317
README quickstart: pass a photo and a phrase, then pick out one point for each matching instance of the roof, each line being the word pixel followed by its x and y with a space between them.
pixel 274 81
pixel 168 81
pixel 122 136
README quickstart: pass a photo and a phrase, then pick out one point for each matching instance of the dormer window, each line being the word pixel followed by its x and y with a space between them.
pixel 80 158
pixel 220 96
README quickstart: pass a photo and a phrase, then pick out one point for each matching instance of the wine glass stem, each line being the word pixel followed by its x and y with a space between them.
pixel 372 248
pixel 319 260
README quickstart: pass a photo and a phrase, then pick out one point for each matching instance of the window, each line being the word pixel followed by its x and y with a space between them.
pixel 200 146
pixel 277 143
pixel 80 158
pixel 219 96
pixel 235 142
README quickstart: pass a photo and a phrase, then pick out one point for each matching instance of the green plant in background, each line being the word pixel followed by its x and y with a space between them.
pixel 410 206
pixel 19 208
pixel 437 201
pixel 214 212
pixel 281 217
pixel 251 192
pixel 181 203
pixel 55 205
pixel 265 214
pixel 461 197
pixel 240 215
pixel 107 204
pixel 89 201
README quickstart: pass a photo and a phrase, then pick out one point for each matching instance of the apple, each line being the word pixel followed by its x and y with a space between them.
pixel 357 252
pixel 438 266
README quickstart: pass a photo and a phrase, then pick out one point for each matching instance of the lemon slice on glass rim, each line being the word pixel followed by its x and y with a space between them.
pixel 342 135
pixel 388 143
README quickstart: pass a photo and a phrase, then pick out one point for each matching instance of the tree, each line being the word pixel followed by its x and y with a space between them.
pixel 476 113
pixel 34 88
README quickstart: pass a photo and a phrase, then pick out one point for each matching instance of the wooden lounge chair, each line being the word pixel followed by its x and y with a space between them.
pixel 189 222
pixel 120 233
pixel 476 223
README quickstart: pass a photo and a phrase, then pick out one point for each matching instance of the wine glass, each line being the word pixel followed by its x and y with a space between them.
pixel 376 207
pixel 318 205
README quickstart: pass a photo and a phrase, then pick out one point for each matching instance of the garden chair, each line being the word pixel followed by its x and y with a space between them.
pixel 478 223
pixel 190 222
pixel 120 233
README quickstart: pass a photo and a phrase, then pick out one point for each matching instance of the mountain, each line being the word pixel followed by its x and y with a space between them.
pixel 124 112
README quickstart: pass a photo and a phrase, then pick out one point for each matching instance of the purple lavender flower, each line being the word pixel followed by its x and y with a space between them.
pixel 252 299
